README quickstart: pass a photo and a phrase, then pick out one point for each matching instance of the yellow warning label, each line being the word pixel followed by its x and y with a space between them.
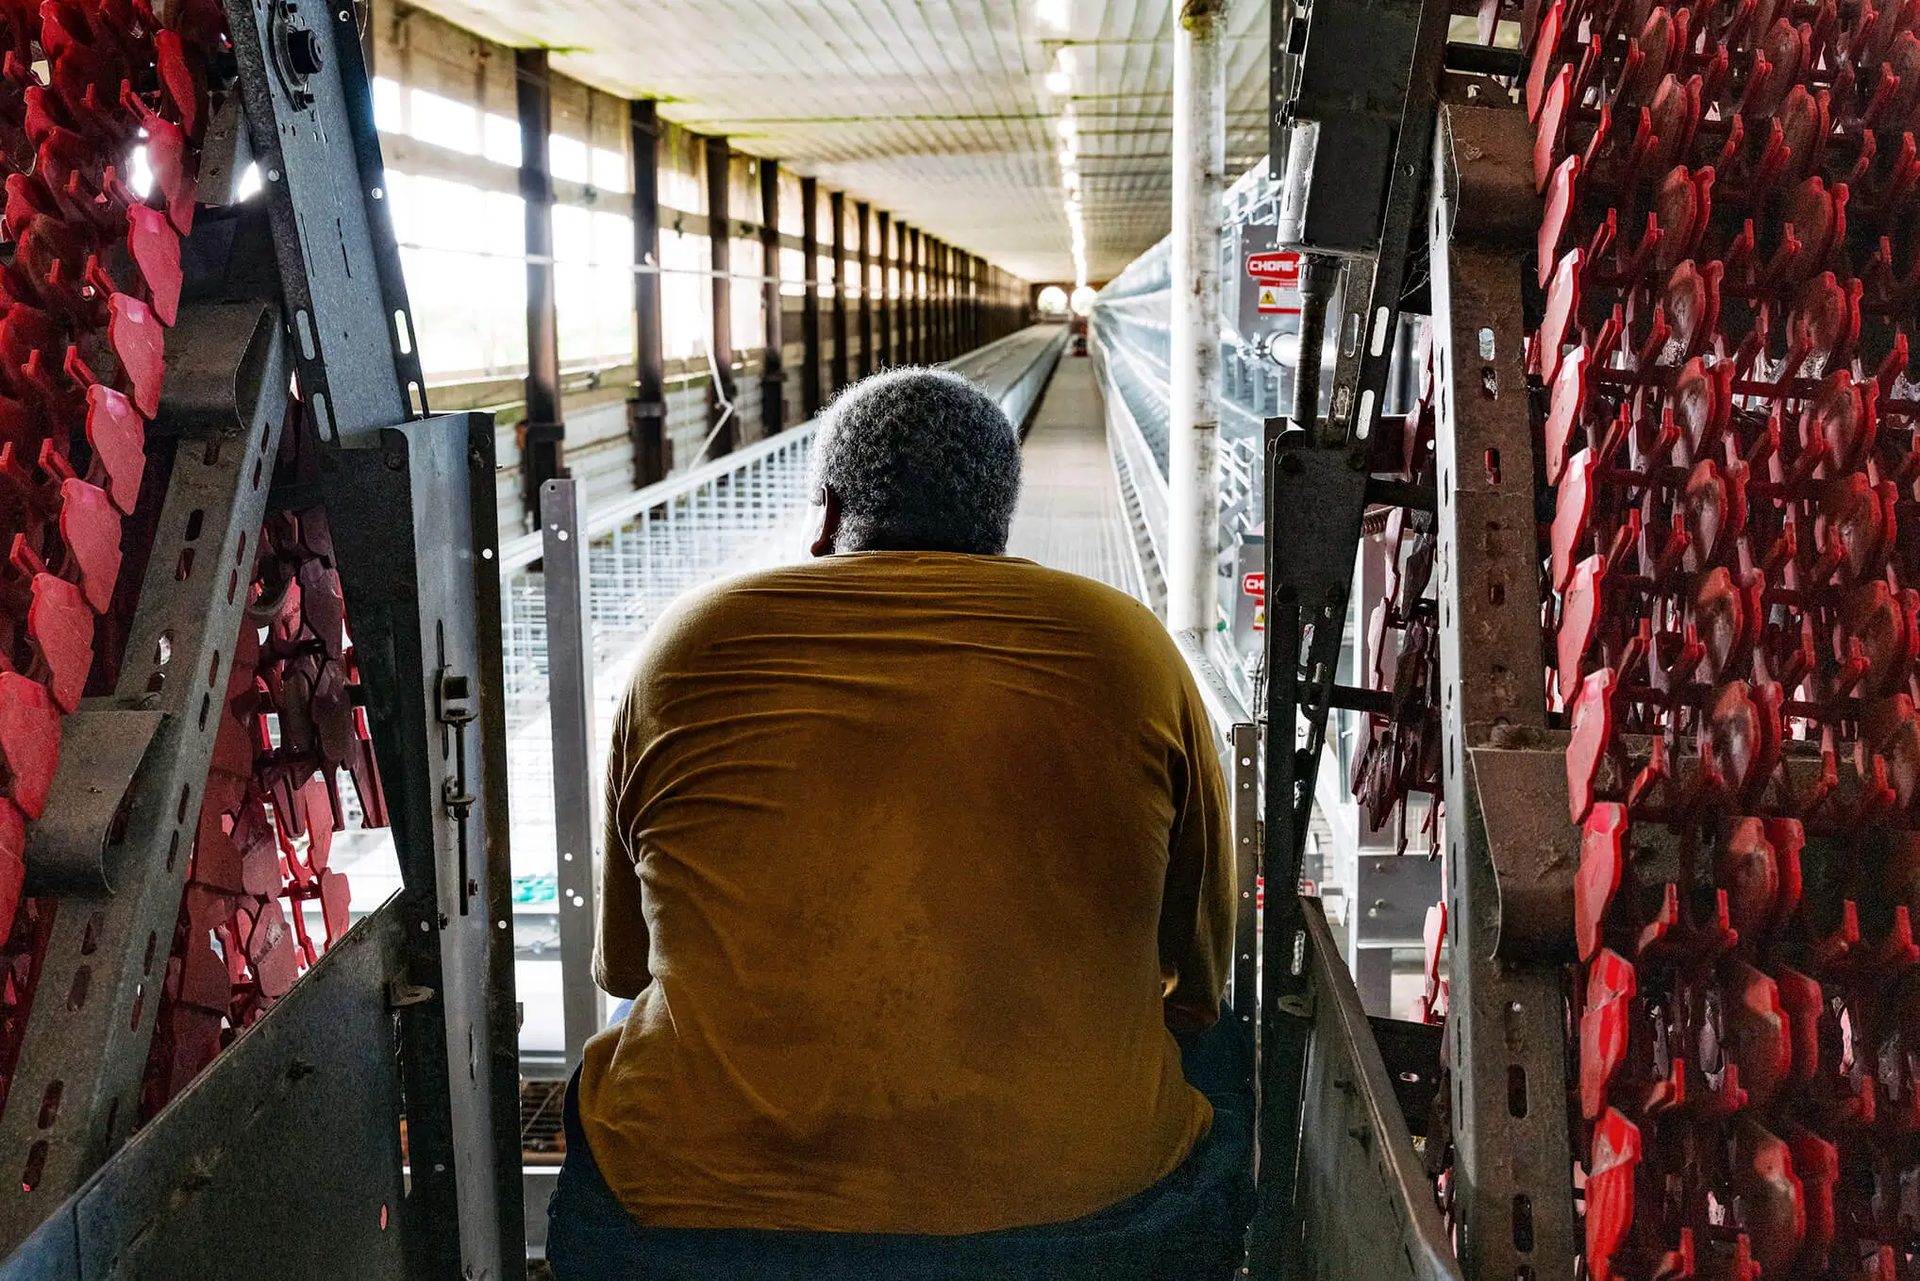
pixel 1271 302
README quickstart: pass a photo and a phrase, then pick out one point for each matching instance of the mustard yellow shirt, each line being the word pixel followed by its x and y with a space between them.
pixel 911 860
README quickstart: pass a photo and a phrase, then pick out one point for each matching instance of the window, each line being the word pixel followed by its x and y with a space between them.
pixel 593 286
pixel 444 122
pixel 387 113
pixel 567 157
pixel 463 252
pixel 686 297
pixel 749 324
pixel 680 191
pixel 500 139
pixel 610 170
pixel 793 205
pixel 793 273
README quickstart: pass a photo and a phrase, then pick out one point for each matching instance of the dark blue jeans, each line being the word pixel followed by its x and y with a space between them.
pixel 1187 1227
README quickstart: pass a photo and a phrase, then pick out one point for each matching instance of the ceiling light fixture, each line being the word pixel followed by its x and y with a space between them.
pixel 1054 13
pixel 1059 83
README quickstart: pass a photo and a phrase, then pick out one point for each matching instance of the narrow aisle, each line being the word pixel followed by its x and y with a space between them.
pixel 1070 515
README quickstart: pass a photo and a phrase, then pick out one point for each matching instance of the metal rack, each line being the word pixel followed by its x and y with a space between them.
pixel 364 1124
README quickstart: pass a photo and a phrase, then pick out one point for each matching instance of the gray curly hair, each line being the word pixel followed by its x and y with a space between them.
pixel 921 460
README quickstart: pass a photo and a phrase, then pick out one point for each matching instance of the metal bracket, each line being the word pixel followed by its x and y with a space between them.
pixel 401 994
pixel 1535 850
pixel 424 599
pixel 102 748
pixel 303 79
pixel 1356 1149
pixel 311 1089
pixel 570 708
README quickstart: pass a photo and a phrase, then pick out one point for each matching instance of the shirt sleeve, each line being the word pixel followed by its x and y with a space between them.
pixel 620 937
pixel 1197 908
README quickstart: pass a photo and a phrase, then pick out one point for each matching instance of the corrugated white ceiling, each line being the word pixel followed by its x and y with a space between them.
pixel 937 110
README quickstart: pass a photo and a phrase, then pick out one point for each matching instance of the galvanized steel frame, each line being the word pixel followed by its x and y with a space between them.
pixel 76 1087
pixel 570 714
pixel 1512 1183
pixel 421 995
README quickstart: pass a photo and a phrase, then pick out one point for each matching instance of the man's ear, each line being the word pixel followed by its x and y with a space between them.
pixel 827 533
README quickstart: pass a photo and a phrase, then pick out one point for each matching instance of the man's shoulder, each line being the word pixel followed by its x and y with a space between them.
pixel 834 585
pixel 1102 605
pixel 718 604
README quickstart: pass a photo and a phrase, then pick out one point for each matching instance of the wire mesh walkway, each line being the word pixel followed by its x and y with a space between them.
pixel 1070 514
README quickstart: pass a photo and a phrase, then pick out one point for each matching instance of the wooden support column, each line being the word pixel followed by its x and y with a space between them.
pixel 647 410
pixel 930 301
pixel 949 332
pixel 865 214
pixel 930 256
pixel 903 351
pixel 916 299
pixel 973 302
pixel 810 399
pixel 969 333
pixel 720 392
pixel 542 435
pixel 943 296
pixel 773 377
pixel 837 208
pixel 936 326
pixel 887 262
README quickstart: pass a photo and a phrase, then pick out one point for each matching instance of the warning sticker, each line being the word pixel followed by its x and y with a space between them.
pixel 1274 301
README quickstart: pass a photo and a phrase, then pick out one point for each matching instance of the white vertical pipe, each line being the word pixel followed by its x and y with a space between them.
pixel 1199 179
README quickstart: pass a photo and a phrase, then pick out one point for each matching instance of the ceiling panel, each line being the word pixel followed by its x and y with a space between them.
pixel 936 110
